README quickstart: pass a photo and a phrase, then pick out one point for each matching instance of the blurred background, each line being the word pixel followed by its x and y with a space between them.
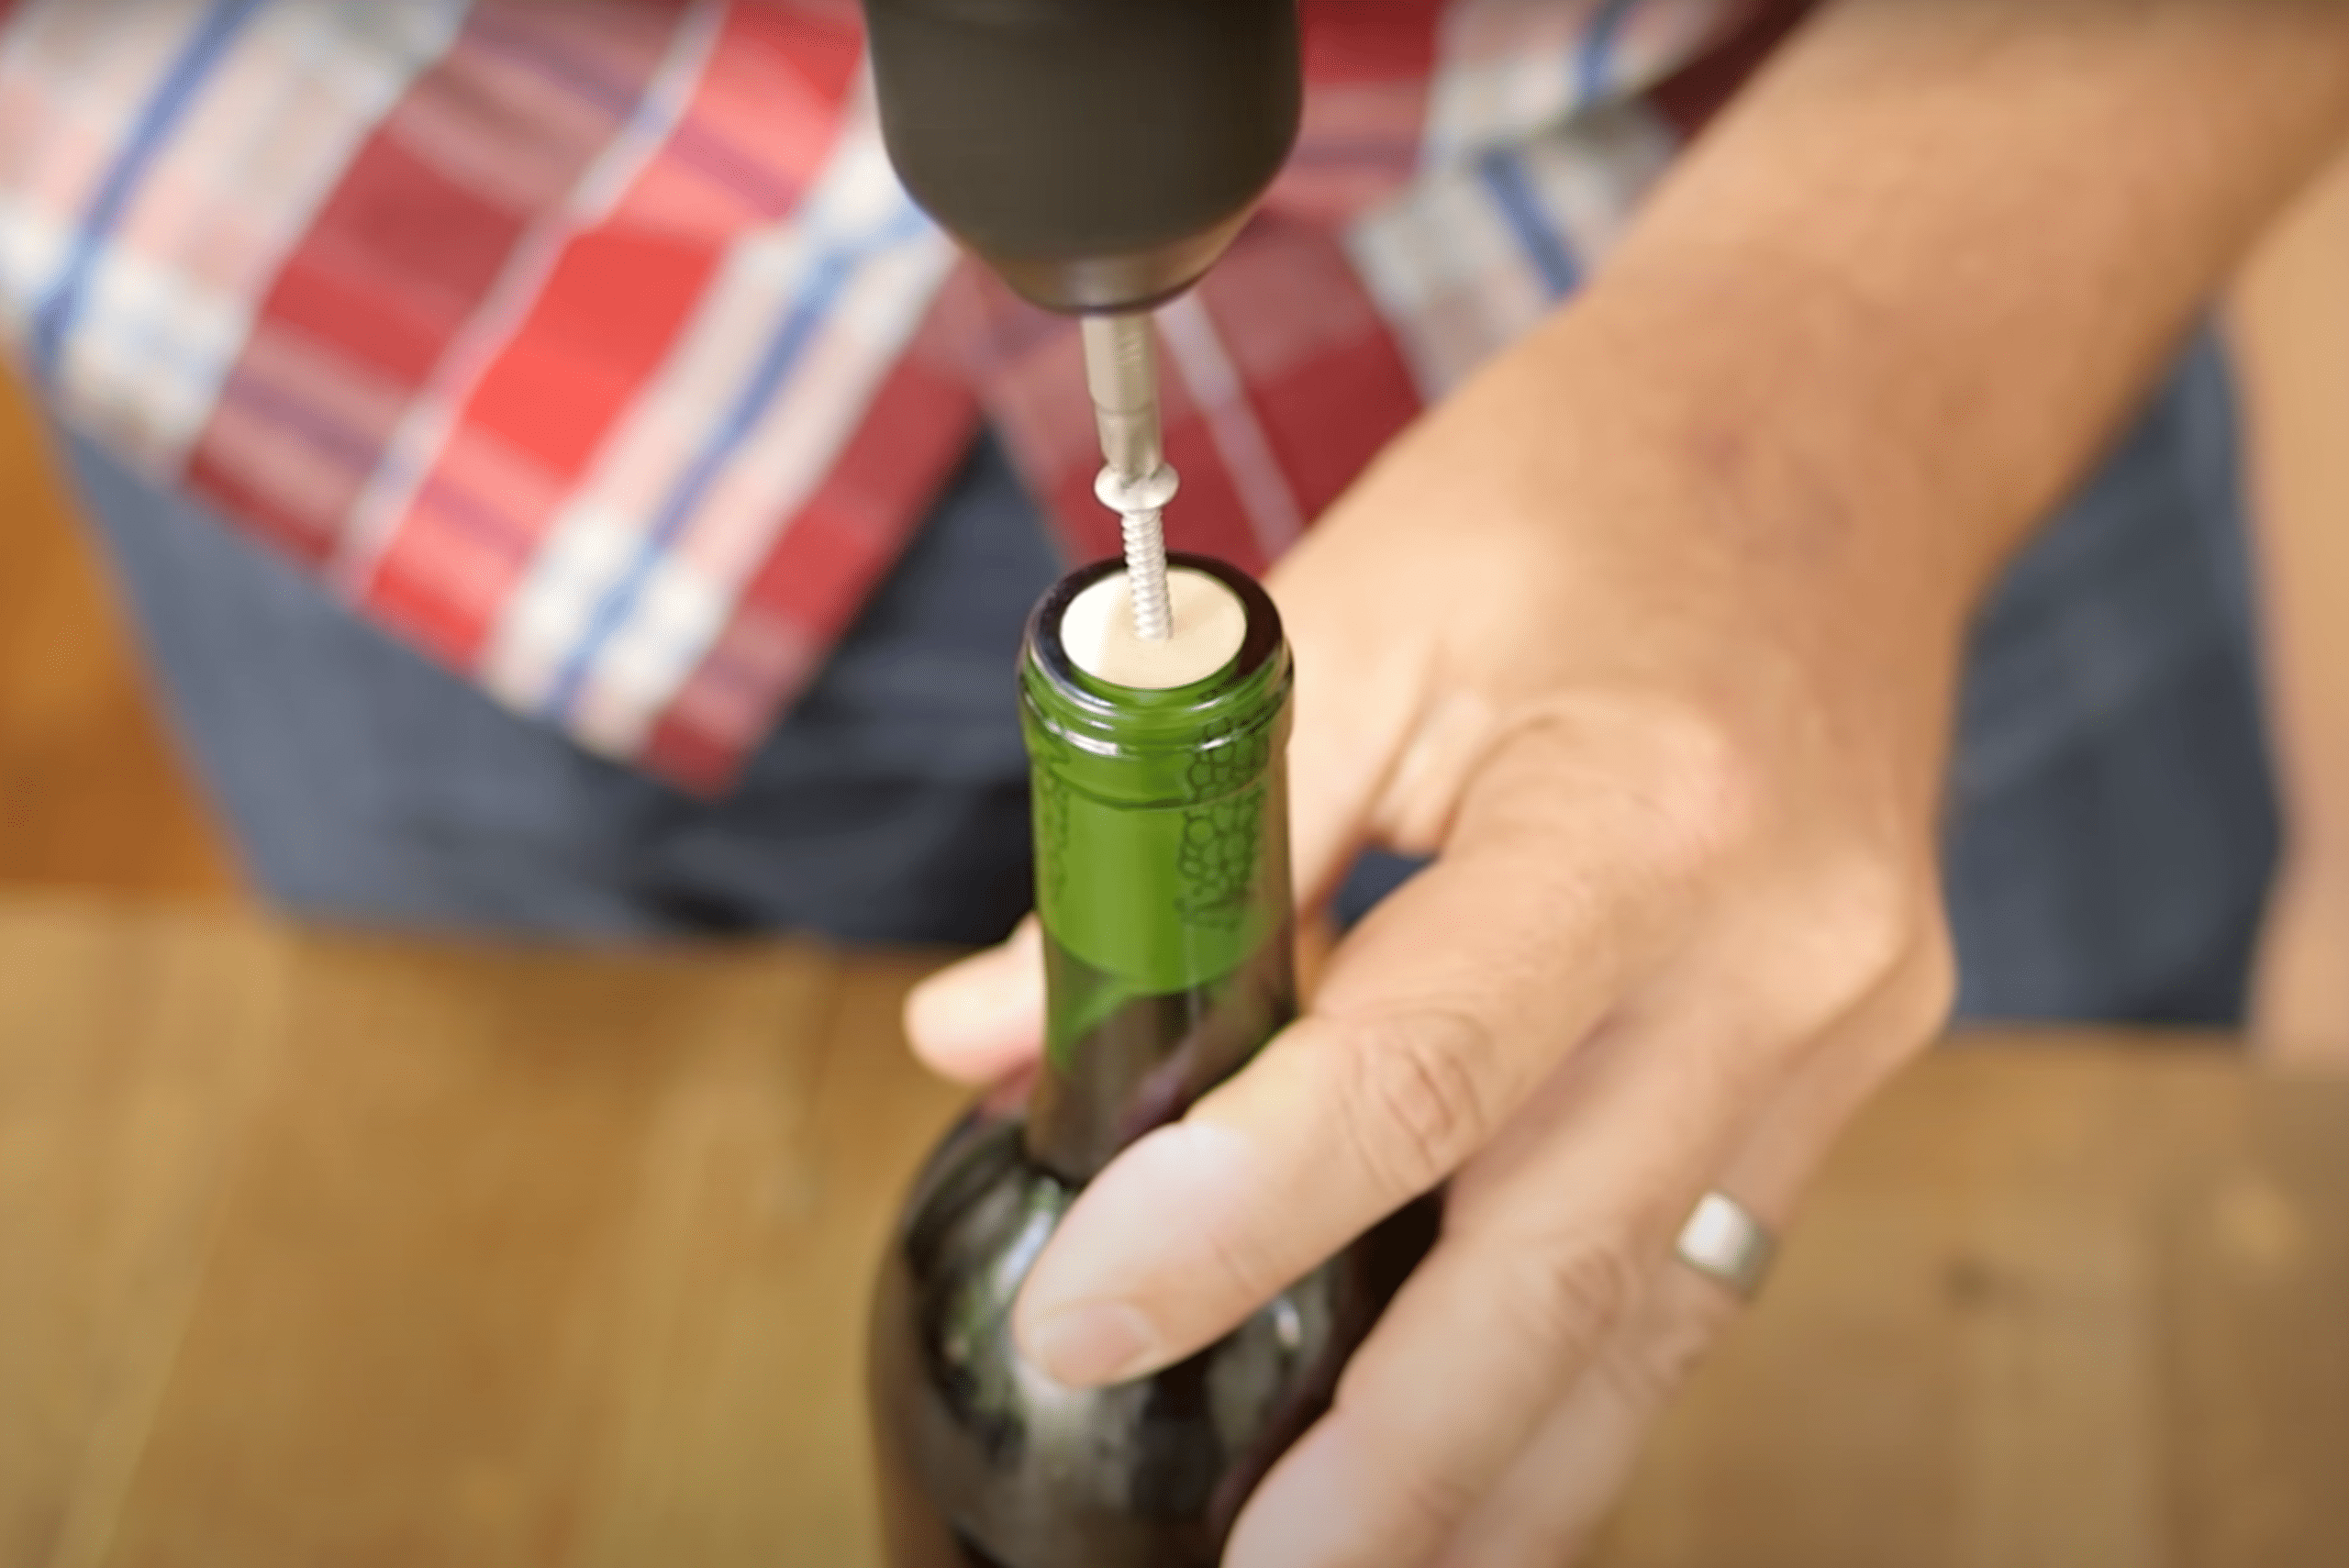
pixel 321 1248
pixel 91 793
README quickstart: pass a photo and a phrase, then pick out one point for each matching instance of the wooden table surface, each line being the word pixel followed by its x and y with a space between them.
pixel 322 1251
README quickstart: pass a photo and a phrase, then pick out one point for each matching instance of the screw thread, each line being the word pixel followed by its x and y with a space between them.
pixel 1146 576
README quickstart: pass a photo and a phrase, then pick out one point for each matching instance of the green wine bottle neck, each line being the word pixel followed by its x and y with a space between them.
pixel 1161 880
pixel 1149 1060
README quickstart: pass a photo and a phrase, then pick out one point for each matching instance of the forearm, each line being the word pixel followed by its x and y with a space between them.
pixel 1924 267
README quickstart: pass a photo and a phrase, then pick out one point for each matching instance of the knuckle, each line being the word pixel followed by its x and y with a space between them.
pixel 1236 1253
pixel 1915 1006
pixel 1435 1500
pixel 1568 1299
pixel 1704 803
pixel 1928 993
pixel 1413 1097
pixel 1670 780
pixel 1647 1370
pixel 1869 908
pixel 1857 931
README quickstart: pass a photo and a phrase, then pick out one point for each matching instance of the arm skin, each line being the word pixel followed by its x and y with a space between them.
pixel 1653 630
pixel 1931 262
pixel 2291 335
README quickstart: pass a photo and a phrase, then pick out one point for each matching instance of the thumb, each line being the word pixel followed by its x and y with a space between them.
pixel 980 1019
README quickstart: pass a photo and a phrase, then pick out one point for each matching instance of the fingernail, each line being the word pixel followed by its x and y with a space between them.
pixel 1086 1347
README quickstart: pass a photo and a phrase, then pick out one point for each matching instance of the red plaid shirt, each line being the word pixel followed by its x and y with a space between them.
pixel 593 349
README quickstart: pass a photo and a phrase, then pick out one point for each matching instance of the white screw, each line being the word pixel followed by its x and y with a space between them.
pixel 1141 503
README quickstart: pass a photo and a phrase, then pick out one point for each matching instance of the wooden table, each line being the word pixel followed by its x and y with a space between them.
pixel 318 1252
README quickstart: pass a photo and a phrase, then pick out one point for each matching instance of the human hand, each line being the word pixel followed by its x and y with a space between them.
pixel 1672 724
pixel 1650 632
pixel 2300 1004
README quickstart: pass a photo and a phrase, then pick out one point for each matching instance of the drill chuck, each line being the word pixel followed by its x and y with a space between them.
pixel 1098 154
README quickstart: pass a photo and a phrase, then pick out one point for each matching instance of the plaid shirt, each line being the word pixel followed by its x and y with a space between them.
pixel 593 347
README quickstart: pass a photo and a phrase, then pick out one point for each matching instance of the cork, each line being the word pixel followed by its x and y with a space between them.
pixel 1209 624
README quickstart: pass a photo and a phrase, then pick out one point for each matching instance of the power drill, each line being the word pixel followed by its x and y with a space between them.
pixel 1099 155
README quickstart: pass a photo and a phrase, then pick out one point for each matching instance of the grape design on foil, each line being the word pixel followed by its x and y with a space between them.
pixel 1221 834
pixel 1048 799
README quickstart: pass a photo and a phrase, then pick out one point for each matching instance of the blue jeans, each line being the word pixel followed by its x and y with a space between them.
pixel 2110 834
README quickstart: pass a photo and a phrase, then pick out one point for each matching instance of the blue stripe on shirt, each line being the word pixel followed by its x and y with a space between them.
pixel 1530 221
pixel 1595 62
pixel 828 275
pixel 61 307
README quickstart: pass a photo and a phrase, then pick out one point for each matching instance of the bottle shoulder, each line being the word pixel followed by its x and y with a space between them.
pixel 1151 1472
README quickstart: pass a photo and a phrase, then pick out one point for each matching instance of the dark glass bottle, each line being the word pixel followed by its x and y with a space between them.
pixel 1163 888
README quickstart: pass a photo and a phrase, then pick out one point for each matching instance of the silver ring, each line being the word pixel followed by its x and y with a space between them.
pixel 1724 1242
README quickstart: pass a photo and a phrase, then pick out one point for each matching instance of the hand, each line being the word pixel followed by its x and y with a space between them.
pixel 1651 633
pixel 2300 1008
pixel 1674 740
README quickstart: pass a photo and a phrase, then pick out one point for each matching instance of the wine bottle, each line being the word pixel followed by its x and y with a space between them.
pixel 1163 888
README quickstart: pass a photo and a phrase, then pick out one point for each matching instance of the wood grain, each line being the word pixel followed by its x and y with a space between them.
pixel 133 1050
pixel 483 1239
pixel 2003 1332
pixel 746 1440
pixel 2254 1287
pixel 326 1250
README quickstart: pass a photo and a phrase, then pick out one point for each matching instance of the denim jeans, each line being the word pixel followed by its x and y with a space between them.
pixel 2110 829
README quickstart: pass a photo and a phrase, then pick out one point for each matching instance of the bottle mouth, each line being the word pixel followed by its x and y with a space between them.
pixel 1260 641
pixel 1241 698
pixel 1205 624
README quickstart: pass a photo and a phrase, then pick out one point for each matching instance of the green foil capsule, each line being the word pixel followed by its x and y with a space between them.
pixel 1161 877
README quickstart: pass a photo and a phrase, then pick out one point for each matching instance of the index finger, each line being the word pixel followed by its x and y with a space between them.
pixel 1437 1018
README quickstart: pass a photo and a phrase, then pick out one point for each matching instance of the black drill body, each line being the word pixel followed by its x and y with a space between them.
pixel 1098 154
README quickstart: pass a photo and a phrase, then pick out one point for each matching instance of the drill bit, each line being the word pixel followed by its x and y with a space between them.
pixel 1121 371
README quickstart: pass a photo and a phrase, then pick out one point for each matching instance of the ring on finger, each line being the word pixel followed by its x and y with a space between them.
pixel 1724 1242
